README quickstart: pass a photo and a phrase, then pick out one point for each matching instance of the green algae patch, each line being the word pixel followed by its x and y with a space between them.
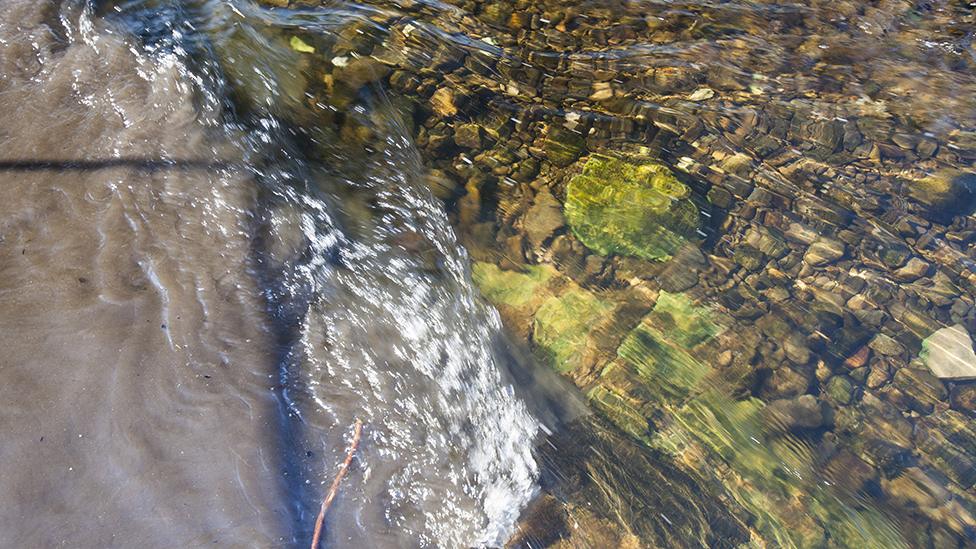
pixel 658 391
pixel 512 288
pixel 683 322
pixel 300 45
pixel 563 323
pixel 668 368
pixel 626 208
pixel 563 317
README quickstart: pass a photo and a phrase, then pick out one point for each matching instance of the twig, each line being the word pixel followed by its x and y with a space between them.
pixel 357 431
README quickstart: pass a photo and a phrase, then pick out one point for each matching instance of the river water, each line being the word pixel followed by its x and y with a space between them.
pixel 231 229
pixel 194 315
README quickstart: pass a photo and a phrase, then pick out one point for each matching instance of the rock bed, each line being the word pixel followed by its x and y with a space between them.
pixel 798 340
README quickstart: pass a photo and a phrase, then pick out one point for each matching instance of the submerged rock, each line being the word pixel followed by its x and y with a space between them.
pixel 620 207
pixel 442 102
pixel 803 412
pixel 543 219
pixel 949 353
pixel 945 194
pixel 563 146
pixel 824 251
pixel 563 324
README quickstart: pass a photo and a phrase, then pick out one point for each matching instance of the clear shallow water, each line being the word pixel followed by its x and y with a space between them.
pixel 222 246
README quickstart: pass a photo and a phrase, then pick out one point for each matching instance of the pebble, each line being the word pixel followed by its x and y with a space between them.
pixel 702 94
pixel 948 353
pixel 840 389
pixel 963 397
pixel 913 270
pixel 443 102
pixel 858 359
pixel 823 252
pixel 885 345
pixel 468 135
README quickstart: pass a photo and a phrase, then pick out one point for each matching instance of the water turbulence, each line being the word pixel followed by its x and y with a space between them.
pixel 202 411
pixel 383 323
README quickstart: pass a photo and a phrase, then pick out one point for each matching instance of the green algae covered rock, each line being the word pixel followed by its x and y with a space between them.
pixel 512 288
pixel 563 324
pixel 562 315
pixel 662 389
pixel 685 323
pixel 620 207
pixel 657 363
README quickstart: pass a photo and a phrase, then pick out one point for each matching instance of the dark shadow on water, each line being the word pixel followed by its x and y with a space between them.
pixel 147 164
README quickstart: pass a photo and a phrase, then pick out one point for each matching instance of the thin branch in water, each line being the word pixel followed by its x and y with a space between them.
pixel 334 489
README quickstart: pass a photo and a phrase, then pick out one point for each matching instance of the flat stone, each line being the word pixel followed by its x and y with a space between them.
pixel 906 141
pixel 720 197
pixel 885 345
pixel 823 252
pixel 949 353
pixel 359 71
pixel 563 147
pixel 926 148
pixel 840 389
pixel 879 375
pixel 945 194
pixel 913 270
pixel 442 102
pixel 468 135
pixel 894 255
pixel 963 397
pixel 858 359
pixel 801 233
pixel 738 164
pixel 922 389
pixel 802 412
pixel 702 94
pixel 543 218
pixel 796 349
pixel 748 257
pixel 948 440
pixel 785 382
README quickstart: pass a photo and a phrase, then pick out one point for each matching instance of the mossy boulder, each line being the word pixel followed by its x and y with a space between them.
pixel 627 208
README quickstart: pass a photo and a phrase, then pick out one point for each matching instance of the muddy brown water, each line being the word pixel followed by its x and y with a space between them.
pixel 135 397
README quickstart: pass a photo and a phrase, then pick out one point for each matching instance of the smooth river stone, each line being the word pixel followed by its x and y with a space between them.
pixel 949 353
